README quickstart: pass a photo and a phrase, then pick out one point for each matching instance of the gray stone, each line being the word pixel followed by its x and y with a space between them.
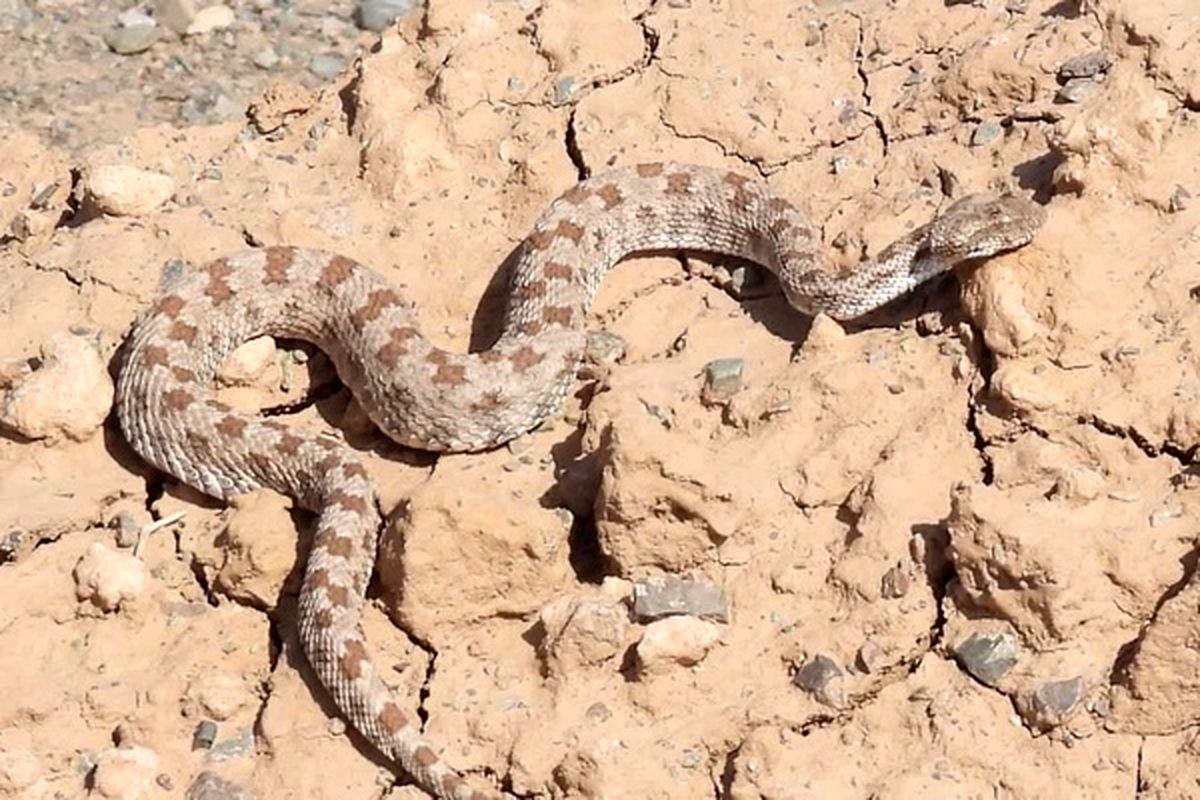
pixel 1179 200
pixel 748 281
pixel 1076 90
pixel 326 65
pixel 1087 65
pixel 821 677
pixel 377 15
pixel 10 544
pixel 604 347
pixel 14 13
pixel 266 58
pixel 172 273
pixel 239 745
pixel 985 132
pixel 896 581
pixel 598 712
pixel 870 657
pixel 211 786
pixel 1052 702
pixel 723 378
pixel 204 735
pixel 126 527
pixel 987 657
pixel 226 108
pixel 661 596
pixel 130 41
pixel 564 88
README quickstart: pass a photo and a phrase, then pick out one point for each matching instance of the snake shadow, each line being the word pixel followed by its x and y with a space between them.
pixel 765 304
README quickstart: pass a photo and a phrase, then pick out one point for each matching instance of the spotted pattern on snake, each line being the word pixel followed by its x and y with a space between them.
pixel 425 397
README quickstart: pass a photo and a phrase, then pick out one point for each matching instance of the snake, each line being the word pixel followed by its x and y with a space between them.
pixel 423 396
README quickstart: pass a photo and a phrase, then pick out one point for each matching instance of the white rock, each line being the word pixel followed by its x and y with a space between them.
pixel 582 632
pixel 126 191
pixel 213 18
pixel 20 768
pixel 175 14
pixel 1026 388
pixel 676 640
pixel 247 363
pixel 108 578
pixel 219 694
pixel 133 18
pixel 125 773
pixel 70 395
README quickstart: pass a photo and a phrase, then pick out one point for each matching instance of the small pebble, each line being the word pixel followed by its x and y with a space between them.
pixel 1076 90
pixel 124 772
pixel 266 58
pixel 14 13
pixel 672 641
pixel 325 65
pixel 126 191
pixel 132 40
pixel 20 766
pixel 895 583
pixel 133 17
pixel 747 281
pixel 821 677
pixel 723 378
pixel 175 14
pixel 220 694
pixel 1161 516
pixel 211 786
pixel 661 596
pixel 212 18
pixel 1053 701
pixel 985 132
pixel 604 347
pixel 564 88
pixel 248 362
pixel 69 395
pixel 1180 199
pixel 598 712
pixel 204 735
pixel 377 15
pixel 234 747
pixel 108 578
pixel 987 657
pixel 126 527
pixel 870 657
pixel 1087 65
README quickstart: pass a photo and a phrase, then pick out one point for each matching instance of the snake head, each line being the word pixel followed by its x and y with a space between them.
pixel 981 225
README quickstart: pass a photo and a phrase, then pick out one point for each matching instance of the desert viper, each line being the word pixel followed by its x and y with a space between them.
pixel 429 398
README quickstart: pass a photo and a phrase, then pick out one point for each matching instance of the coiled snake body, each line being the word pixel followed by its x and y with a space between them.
pixel 429 398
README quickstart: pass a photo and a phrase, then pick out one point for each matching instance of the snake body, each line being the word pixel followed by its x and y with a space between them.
pixel 426 397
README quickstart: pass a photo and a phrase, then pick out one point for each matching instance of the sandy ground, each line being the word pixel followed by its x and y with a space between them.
pixel 950 552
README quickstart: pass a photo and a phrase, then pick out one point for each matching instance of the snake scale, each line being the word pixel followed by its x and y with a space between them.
pixel 429 398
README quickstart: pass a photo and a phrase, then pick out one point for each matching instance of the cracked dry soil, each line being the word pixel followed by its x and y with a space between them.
pixel 956 543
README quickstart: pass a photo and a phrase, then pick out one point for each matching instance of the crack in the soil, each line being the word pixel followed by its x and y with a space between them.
pixel 1137 783
pixel 723 787
pixel 762 167
pixel 865 92
pixel 531 31
pixel 987 466
pixel 571 143
pixel 1185 457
